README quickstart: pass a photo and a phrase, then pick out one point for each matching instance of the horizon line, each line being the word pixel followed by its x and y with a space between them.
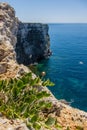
pixel 57 22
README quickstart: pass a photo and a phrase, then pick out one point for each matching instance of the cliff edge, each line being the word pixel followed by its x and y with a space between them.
pixel 33 43
pixel 9 67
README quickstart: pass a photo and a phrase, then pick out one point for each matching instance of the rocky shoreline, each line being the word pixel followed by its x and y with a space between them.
pixel 10 68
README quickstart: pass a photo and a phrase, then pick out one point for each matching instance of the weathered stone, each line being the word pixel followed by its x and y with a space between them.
pixel 3 68
pixel 33 43
pixel 21 127
pixel 8 30
pixel 2 52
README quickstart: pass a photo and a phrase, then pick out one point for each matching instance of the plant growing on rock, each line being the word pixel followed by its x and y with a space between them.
pixel 21 98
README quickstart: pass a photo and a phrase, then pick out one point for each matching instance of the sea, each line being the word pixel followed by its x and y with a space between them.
pixel 67 67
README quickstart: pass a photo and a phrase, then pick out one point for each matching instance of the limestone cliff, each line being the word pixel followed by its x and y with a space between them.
pixel 8 40
pixel 11 30
pixel 31 40
pixel 33 43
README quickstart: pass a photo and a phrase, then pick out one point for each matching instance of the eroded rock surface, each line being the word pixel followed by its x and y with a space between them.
pixel 8 31
pixel 33 43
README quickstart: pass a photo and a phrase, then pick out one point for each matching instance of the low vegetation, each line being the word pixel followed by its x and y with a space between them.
pixel 21 98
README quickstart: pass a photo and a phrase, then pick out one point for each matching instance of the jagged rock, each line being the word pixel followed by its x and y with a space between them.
pixel 8 24
pixel 3 68
pixel 9 67
pixel 2 54
pixel 33 43
pixel 6 124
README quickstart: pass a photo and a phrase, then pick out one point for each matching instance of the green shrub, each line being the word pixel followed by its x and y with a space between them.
pixel 21 98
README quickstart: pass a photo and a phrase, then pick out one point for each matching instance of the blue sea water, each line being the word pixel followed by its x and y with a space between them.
pixel 67 67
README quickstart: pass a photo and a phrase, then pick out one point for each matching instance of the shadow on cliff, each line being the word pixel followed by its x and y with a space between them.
pixel 33 43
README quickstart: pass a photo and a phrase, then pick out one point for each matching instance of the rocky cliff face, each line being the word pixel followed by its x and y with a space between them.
pixel 33 43
pixel 8 40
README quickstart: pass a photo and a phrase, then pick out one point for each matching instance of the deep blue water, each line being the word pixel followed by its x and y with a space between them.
pixel 67 67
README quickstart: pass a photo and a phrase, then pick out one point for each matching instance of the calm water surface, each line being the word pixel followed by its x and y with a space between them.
pixel 67 67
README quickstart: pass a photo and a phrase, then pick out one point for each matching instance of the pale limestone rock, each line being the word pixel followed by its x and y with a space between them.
pixel 8 31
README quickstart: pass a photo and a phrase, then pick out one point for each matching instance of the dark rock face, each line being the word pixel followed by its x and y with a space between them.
pixel 33 43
